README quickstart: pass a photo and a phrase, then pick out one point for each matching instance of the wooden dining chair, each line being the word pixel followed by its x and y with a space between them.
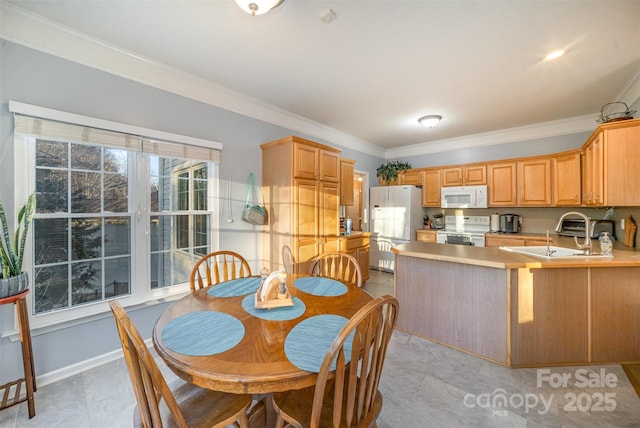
pixel 348 395
pixel 217 267
pixel 287 259
pixel 187 405
pixel 337 265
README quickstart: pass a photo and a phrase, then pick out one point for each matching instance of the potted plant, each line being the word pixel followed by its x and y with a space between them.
pixel 12 279
pixel 387 173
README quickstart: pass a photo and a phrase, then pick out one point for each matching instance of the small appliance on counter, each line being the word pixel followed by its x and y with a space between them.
pixel 438 221
pixel 510 223
pixel 575 227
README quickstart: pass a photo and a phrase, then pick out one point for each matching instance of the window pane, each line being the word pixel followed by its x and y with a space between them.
pixel 51 241
pixel 182 231
pixel 86 282
pixel 116 160
pixel 51 288
pixel 52 188
pixel 116 192
pixel 117 236
pixel 201 234
pixel 200 195
pixel 52 153
pixel 86 238
pixel 86 157
pixel 86 190
pixel 117 277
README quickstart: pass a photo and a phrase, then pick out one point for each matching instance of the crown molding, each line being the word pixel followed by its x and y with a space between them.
pixel 27 29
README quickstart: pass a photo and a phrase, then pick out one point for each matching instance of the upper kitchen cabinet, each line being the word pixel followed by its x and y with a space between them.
pixel 468 175
pixel 431 185
pixel 410 176
pixel 502 184
pixel 534 182
pixel 301 190
pixel 315 161
pixel 566 179
pixel 346 182
pixel 611 165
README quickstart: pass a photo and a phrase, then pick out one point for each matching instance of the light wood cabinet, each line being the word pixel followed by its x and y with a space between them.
pixel 519 240
pixel 346 182
pixel 534 182
pixel 466 175
pixel 431 187
pixel 302 199
pixel 426 235
pixel 611 165
pixel 358 246
pixel 410 176
pixel 315 161
pixel 501 184
pixel 567 179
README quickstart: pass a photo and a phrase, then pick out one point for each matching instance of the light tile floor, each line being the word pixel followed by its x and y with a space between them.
pixel 424 385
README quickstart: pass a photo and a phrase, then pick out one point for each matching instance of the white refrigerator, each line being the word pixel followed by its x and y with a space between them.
pixel 396 212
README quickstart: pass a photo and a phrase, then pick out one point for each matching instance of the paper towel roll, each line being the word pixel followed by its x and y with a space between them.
pixel 495 222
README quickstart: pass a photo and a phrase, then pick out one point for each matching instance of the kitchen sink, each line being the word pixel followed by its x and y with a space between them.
pixel 554 252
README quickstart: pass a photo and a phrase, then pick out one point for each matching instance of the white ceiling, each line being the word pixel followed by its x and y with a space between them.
pixel 380 65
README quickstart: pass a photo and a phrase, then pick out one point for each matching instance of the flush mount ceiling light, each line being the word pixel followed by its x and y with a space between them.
pixel 430 121
pixel 554 55
pixel 258 7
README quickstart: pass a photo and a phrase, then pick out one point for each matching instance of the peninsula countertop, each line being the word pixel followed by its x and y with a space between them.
pixel 497 258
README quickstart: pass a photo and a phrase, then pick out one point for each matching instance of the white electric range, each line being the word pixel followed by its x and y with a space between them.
pixel 464 230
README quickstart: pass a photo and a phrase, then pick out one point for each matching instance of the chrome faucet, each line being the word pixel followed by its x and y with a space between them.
pixel 586 246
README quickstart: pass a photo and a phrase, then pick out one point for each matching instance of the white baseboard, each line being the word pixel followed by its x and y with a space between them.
pixel 77 368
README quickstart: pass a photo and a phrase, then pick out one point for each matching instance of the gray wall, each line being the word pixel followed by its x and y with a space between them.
pixel 37 78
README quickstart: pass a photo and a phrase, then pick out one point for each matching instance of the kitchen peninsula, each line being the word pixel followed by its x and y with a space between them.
pixel 518 310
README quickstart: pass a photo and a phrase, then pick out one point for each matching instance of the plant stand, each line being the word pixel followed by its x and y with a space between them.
pixel 29 378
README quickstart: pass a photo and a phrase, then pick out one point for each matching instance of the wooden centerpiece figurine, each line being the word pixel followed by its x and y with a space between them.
pixel 273 292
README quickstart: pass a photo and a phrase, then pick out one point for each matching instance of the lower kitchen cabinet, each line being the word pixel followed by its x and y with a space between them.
pixel 516 240
pixel 357 245
pixel 426 235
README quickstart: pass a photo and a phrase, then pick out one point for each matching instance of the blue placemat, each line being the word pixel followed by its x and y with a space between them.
pixel 275 314
pixel 202 333
pixel 307 343
pixel 319 286
pixel 235 287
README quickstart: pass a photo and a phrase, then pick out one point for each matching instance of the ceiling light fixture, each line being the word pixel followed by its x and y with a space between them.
pixel 258 7
pixel 554 55
pixel 430 121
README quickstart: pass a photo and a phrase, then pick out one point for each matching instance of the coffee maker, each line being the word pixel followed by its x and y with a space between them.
pixel 510 223
pixel 438 221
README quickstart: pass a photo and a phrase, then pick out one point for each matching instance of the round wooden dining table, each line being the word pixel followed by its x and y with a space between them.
pixel 216 339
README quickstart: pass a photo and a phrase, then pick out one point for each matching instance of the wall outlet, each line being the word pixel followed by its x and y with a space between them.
pixel 621 224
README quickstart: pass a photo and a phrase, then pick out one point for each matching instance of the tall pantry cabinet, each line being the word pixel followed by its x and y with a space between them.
pixel 300 187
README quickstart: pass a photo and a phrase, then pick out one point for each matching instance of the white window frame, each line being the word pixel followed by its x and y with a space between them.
pixel 141 292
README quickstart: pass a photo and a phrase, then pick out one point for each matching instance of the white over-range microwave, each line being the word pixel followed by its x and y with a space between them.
pixel 464 197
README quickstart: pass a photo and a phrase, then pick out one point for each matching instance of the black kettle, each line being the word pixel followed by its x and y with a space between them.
pixel 510 223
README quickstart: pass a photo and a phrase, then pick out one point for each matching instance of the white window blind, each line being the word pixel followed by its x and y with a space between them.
pixel 45 122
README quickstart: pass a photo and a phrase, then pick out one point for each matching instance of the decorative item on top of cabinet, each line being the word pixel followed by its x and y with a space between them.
pixel 387 173
pixel 305 211
pixel 611 165
pixel 346 181
pixel 431 187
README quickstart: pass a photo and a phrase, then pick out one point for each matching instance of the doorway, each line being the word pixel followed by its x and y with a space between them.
pixel 359 210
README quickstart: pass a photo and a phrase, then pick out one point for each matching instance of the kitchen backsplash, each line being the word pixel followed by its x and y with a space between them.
pixel 538 220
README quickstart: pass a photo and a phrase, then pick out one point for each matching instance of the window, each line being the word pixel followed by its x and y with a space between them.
pixel 117 215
